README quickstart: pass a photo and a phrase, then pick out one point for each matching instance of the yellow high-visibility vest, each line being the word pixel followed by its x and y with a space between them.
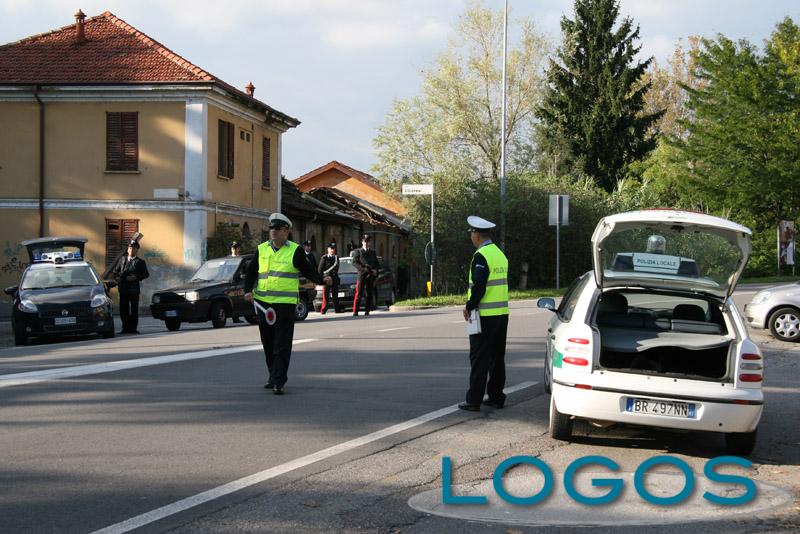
pixel 278 278
pixel 495 300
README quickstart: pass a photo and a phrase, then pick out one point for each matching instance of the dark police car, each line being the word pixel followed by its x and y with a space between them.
pixel 214 293
pixel 59 293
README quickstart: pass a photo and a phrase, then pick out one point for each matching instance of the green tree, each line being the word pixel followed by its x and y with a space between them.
pixel 593 110
pixel 741 154
pixel 452 129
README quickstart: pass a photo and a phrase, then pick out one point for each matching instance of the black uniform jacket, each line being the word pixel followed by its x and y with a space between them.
pixel 300 262
pixel 125 267
pixel 363 260
pixel 328 265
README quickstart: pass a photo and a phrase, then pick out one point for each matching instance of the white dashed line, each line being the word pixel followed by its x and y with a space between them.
pixel 393 329
pixel 236 485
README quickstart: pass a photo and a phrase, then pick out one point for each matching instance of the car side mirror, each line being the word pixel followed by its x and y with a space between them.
pixel 11 290
pixel 110 284
pixel 547 303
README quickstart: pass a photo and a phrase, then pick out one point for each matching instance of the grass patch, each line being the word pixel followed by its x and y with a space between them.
pixel 461 298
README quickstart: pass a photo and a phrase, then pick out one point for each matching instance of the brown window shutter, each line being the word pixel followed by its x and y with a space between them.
pixel 118 233
pixel 222 149
pixel 122 141
pixel 230 150
pixel 265 163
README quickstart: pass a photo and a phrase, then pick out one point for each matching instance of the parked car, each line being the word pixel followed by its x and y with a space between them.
pixel 214 293
pixel 385 291
pixel 59 293
pixel 778 309
pixel 653 345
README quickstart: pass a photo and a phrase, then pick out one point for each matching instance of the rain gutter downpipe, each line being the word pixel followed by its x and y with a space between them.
pixel 41 159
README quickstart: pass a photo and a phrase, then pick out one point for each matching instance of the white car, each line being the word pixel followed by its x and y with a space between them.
pixel 776 308
pixel 654 339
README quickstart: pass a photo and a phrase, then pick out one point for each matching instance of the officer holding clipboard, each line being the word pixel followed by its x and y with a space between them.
pixel 486 313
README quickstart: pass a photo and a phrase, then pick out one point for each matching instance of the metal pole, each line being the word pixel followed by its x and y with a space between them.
pixel 558 240
pixel 433 249
pixel 503 135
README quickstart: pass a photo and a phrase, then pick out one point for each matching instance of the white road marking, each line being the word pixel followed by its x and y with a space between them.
pixel 393 329
pixel 236 485
pixel 32 377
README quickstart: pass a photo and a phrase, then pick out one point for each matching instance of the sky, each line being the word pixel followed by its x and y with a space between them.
pixel 337 65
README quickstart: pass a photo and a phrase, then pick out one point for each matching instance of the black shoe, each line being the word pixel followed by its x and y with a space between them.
pixel 366 312
pixel 323 312
pixel 278 390
pixel 355 314
pixel 237 319
pixel 122 332
pixel 494 404
pixel 134 332
pixel 269 385
pixel 469 407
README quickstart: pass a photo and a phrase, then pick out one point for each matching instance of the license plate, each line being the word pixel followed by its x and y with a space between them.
pixel 341 294
pixel 171 313
pixel 66 320
pixel 682 410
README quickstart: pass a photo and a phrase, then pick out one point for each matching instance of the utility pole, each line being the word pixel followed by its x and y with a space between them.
pixel 503 135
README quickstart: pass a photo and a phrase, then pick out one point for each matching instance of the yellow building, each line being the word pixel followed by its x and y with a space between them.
pixel 105 132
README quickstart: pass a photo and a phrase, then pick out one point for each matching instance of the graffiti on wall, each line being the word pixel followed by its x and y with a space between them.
pixel 155 256
pixel 12 264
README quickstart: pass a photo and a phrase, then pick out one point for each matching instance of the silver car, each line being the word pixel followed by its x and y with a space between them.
pixel 776 308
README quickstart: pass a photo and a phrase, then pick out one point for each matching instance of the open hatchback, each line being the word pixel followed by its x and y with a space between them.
pixel 651 336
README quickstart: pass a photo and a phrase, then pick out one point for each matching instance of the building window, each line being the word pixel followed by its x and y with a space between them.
pixel 265 163
pixel 119 232
pixel 122 141
pixel 225 149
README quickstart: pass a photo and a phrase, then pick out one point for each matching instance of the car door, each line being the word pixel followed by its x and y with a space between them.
pixel 241 307
pixel 558 328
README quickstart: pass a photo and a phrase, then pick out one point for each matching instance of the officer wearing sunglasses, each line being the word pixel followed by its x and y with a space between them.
pixel 273 283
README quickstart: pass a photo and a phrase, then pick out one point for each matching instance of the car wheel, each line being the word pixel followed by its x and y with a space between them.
pixel 740 443
pixel 301 311
pixel 784 324
pixel 172 324
pixel 252 319
pixel 560 423
pixel 392 299
pixel 218 315
pixel 20 337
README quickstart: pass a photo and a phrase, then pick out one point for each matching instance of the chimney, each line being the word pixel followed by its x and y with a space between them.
pixel 250 89
pixel 81 34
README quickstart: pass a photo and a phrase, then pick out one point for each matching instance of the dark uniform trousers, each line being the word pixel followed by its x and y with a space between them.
pixel 365 286
pixel 277 340
pixel 129 310
pixel 331 293
pixel 487 356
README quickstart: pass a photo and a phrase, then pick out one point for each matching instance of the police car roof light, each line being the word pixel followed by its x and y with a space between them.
pixel 58 257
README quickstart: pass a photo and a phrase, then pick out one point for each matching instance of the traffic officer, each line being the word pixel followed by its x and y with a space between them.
pixel 273 280
pixel 329 266
pixel 488 293
pixel 365 260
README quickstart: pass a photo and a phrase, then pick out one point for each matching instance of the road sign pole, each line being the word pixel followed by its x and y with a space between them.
pixel 558 241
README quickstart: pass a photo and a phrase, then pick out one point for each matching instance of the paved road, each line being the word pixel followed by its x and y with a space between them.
pixel 93 450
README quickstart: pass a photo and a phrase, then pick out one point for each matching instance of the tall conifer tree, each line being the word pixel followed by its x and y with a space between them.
pixel 593 107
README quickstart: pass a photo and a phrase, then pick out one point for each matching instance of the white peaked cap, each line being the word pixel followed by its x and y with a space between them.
pixel 280 217
pixel 479 223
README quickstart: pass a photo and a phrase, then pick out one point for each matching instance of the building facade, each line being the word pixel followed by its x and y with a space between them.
pixel 104 132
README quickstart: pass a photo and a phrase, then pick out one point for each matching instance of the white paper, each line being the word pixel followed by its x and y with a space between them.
pixel 474 323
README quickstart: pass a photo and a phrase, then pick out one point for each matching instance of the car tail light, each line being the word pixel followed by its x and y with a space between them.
pixel 575 361
pixel 583 386
pixel 579 340
pixel 751 356
pixel 750 377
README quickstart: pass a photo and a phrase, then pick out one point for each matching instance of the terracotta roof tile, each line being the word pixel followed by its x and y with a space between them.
pixel 113 52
